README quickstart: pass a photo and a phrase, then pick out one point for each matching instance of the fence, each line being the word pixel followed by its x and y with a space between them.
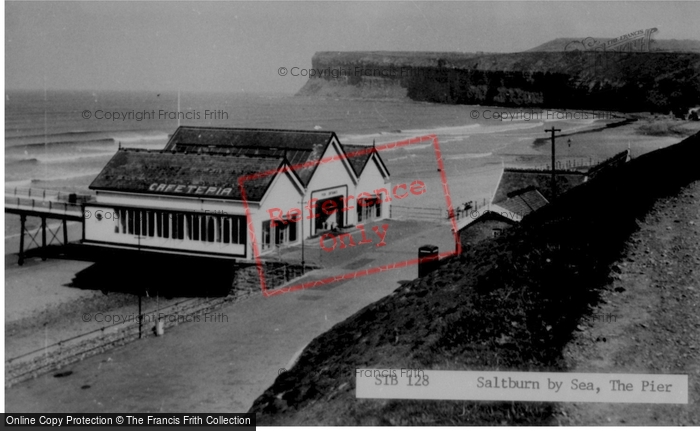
pixel 571 164
pixel 469 209
pixel 416 213
pixel 41 200
pixel 47 195
pixel 41 205
pixel 57 355
pixel 64 352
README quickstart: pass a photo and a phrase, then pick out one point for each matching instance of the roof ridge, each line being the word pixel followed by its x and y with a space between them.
pixel 203 154
pixel 319 132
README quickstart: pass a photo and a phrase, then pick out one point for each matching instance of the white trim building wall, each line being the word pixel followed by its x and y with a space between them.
pixel 185 199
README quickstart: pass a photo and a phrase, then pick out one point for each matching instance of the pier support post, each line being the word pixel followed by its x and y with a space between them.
pixel 23 220
pixel 65 233
pixel 43 238
pixel 140 316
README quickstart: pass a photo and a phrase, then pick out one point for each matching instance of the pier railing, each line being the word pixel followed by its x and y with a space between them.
pixel 47 195
pixel 45 201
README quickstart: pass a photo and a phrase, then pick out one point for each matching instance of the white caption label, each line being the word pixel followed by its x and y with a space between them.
pixel 522 386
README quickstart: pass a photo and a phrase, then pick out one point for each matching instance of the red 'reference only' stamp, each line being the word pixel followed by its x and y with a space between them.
pixel 277 216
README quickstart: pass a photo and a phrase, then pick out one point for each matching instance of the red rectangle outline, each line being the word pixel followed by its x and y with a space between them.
pixel 361 273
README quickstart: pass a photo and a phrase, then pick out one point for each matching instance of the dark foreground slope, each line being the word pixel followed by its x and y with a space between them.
pixel 627 81
pixel 511 303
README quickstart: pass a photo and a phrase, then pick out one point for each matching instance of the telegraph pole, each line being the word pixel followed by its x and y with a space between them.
pixel 554 181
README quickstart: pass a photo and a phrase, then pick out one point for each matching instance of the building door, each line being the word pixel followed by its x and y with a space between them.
pixel 369 209
pixel 334 217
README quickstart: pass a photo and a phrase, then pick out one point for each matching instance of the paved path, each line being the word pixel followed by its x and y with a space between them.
pixel 223 364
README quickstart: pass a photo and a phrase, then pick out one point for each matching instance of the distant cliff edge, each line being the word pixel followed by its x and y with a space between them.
pixel 657 81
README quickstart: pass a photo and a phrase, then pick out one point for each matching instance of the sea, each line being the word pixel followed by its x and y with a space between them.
pixel 61 140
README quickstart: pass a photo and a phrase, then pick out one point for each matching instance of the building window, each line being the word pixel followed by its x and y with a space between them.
pixel 235 230
pixel 188 223
pixel 196 224
pixel 210 229
pixel 179 221
pixel 266 235
pixel 166 225
pixel 227 229
pixel 122 220
pixel 159 224
pixel 191 227
pixel 151 219
pixel 282 233
pixel 369 209
pixel 292 229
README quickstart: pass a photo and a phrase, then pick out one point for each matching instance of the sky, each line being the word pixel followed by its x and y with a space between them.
pixel 240 46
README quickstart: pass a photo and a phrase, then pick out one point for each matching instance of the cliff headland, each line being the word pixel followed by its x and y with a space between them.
pixel 662 80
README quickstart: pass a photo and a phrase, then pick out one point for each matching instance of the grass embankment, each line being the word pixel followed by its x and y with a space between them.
pixel 511 303
pixel 667 127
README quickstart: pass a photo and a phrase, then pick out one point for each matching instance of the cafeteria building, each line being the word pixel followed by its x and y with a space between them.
pixel 186 199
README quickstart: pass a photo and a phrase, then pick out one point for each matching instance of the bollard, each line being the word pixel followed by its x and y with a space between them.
pixel 427 259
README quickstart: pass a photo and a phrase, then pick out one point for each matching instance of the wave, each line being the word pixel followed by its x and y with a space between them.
pixel 72 158
pixel 140 137
pixel 34 146
pixel 32 181
pixel 450 130
pixel 469 156
pixel 31 161
pixel 84 137
pixel 445 134
pixel 65 177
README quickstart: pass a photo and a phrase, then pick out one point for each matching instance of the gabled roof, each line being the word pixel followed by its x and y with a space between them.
pixel 359 156
pixel 524 202
pixel 493 212
pixel 201 175
pixel 513 181
pixel 253 138
pixel 297 146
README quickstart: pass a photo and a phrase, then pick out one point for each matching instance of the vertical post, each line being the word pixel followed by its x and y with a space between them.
pixel 138 252
pixel 554 181
pixel 43 238
pixel 23 219
pixel 303 263
pixel 140 316
pixel 65 232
